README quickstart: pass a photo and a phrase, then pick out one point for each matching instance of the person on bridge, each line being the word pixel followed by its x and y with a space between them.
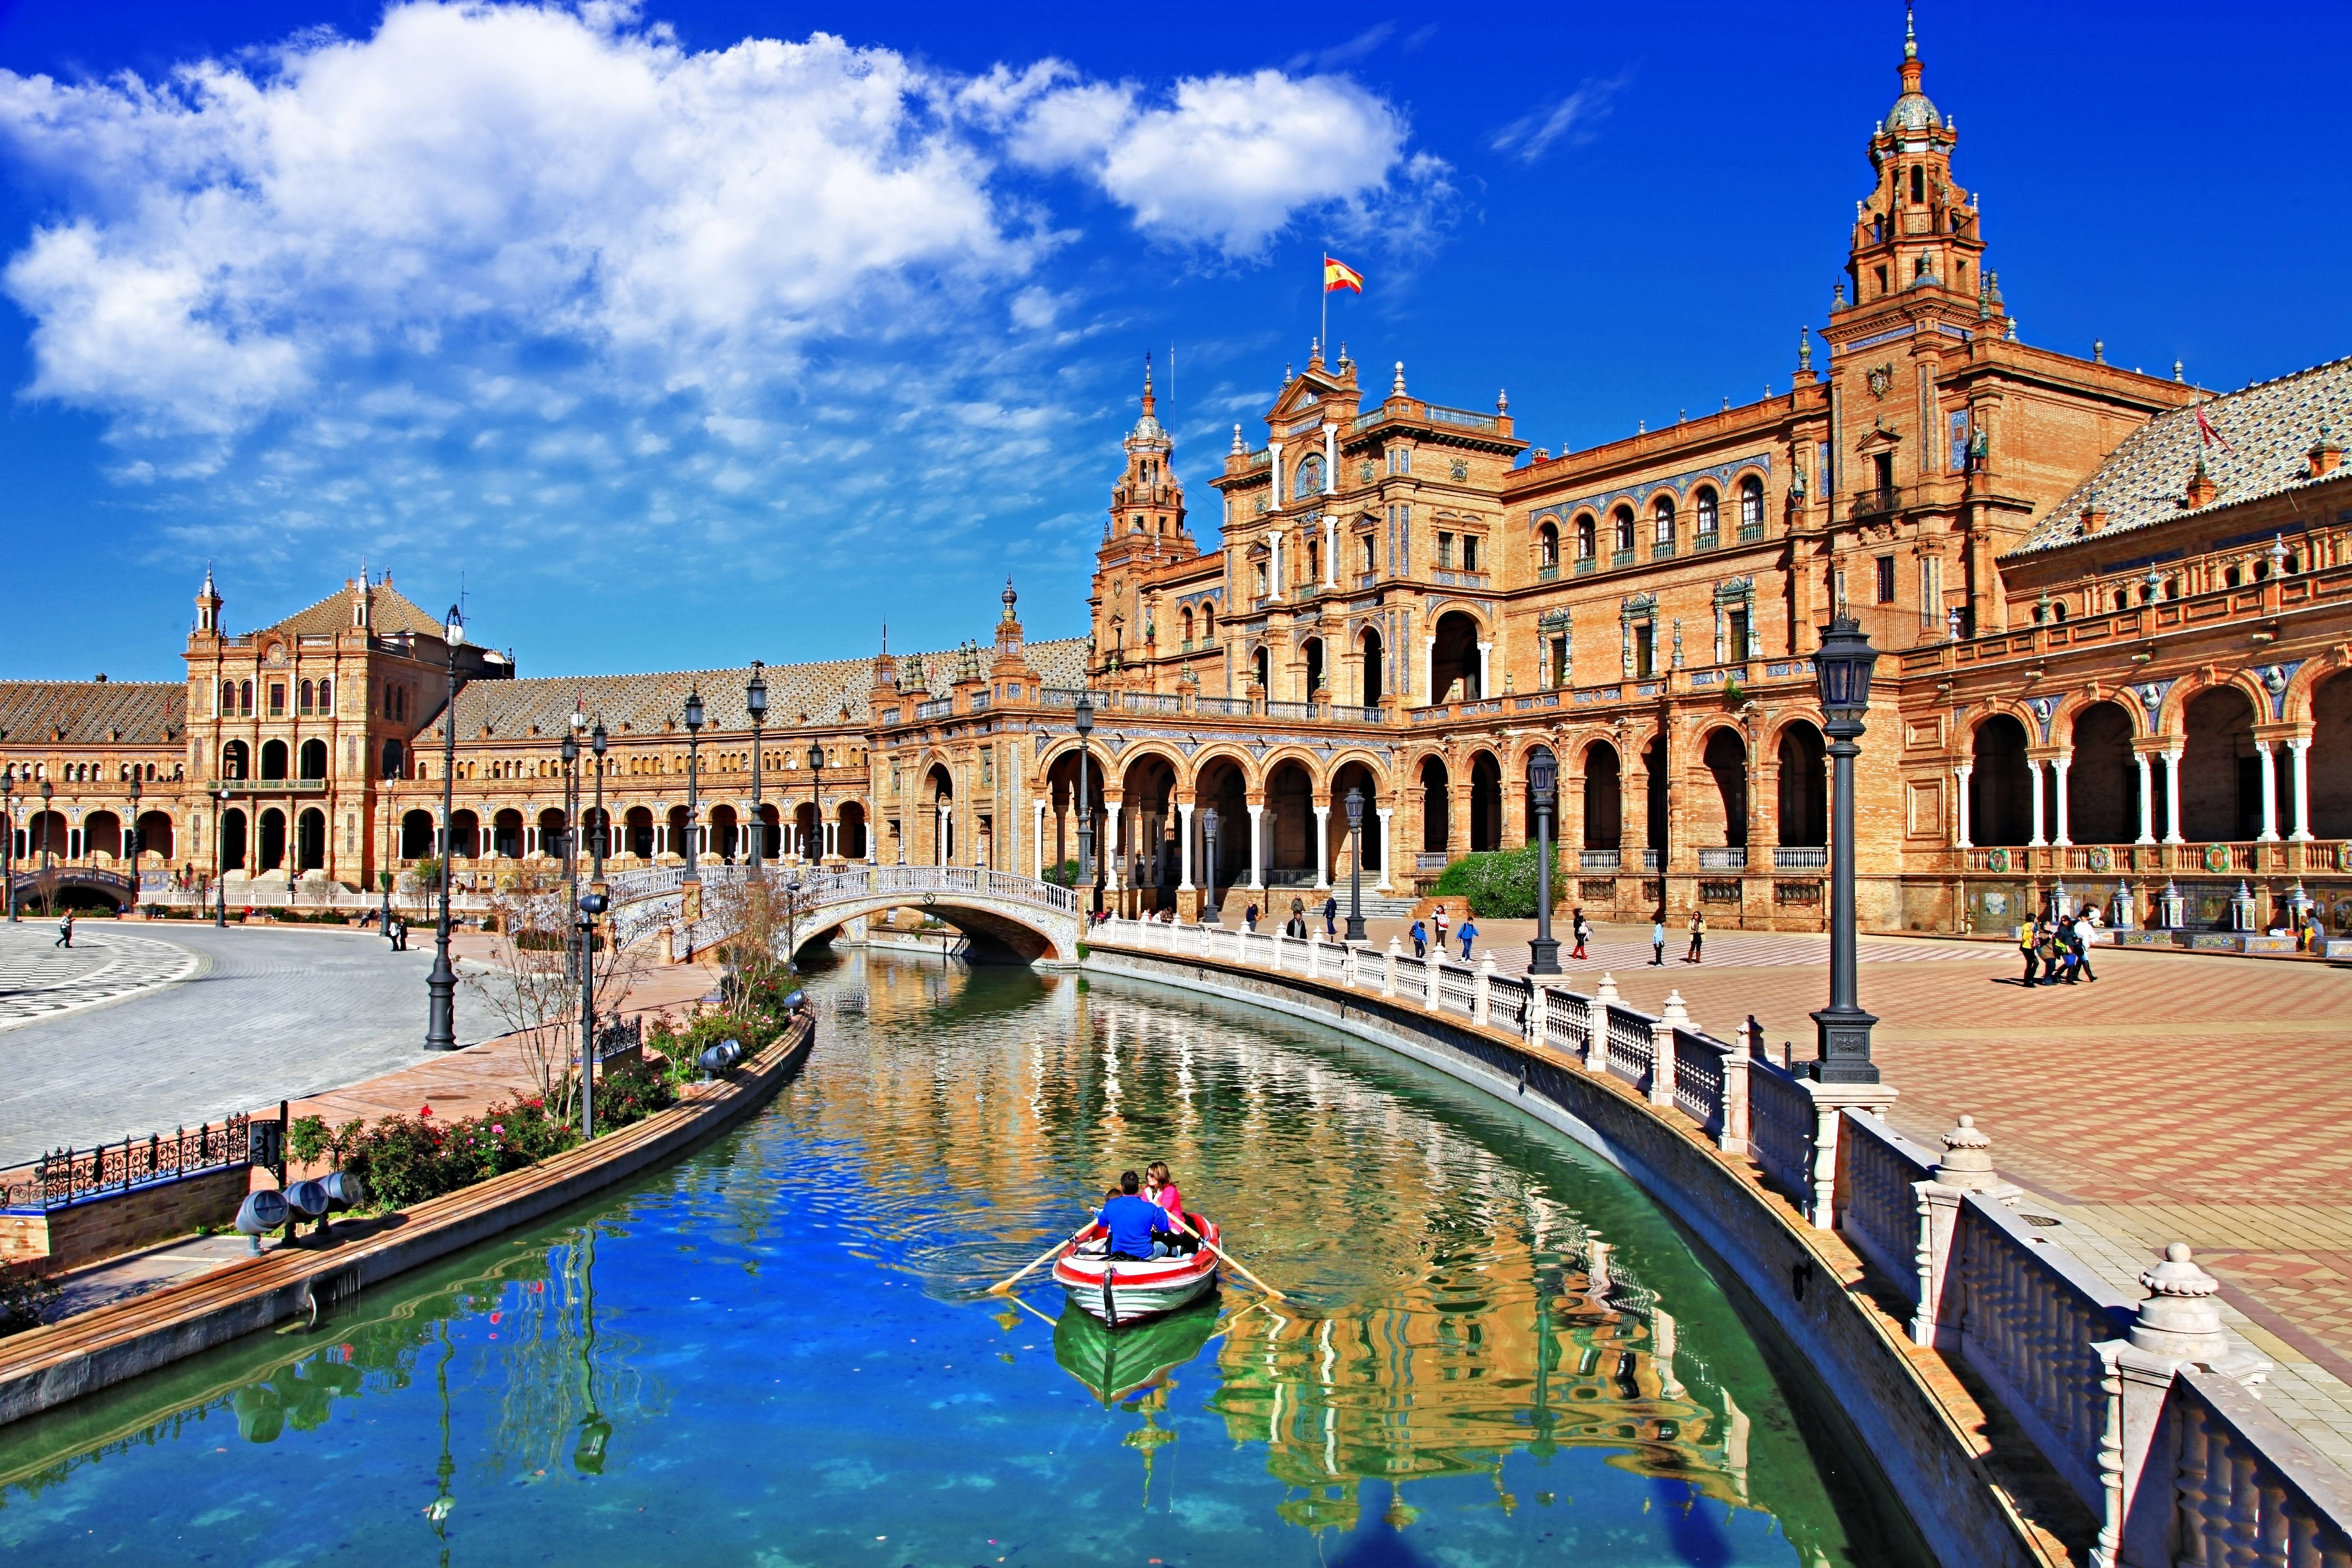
pixel 65 931
pixel 1331 915
pixel 1420 940
pixel 1468 931
pixel 1582 928
pixel 1249 915
pixel 1136 1224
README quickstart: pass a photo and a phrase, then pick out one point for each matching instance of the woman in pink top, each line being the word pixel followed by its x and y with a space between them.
pixel 1160 1187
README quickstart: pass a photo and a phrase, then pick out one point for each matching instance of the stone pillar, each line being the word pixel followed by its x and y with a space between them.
pixel 1331 554
pixel 1323 846
pixel 2172 796
pixel 1330 460
pixel 1037 868
pixel 2059 765
pixel 2034 771
pixel 1428 672
pixel 1966 1167
pixel 1184 846
pixel 1114 856
pixel 939 840
pixel 2147 800
pixel 1662 1050
pixel 1257 861
pixel 2299 749
pixel 1383 811
pixel 1961 807
pixel 1485 680
pixel 1457 819
pixel 2269 834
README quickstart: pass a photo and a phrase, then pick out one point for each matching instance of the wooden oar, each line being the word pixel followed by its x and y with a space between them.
pixel 1239 1267
pixel 1002 1286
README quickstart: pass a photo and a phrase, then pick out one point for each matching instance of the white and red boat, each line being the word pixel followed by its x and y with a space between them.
pixel 1122 1290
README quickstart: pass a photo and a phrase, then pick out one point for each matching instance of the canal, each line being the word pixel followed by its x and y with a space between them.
pixel 780 1351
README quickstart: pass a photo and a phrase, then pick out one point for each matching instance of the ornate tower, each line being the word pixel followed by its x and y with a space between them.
pixel 1917 236
pixel 1145 529
pixel 208 604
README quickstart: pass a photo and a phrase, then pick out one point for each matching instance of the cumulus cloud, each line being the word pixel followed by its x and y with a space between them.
pixel 1571 120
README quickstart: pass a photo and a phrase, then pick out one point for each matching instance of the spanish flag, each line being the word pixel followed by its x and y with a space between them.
pixel 1339 275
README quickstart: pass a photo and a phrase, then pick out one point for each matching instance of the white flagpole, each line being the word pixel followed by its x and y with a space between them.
pixel 1324 283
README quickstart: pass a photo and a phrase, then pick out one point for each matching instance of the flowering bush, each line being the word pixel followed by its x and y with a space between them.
pixel 405 1160
pixel 1499 884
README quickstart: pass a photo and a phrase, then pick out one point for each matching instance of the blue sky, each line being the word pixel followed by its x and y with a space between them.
pixel 695 332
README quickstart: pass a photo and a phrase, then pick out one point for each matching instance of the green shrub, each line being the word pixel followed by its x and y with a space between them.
pixel 630 1091
pixel 405 1160
pixel 1500 884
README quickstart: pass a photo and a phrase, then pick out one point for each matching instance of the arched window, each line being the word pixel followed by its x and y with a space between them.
pixel 2229 577
pixel 1664 514
pixel 1548 546
pixel 1709 515
pixel 1623 518
pixel 1751 502
pixel 1587 534
pixel 228 697
pixel 1188 627
pixel 234 760
pixel 327 695
pixel 308 692
pixel 314 759
pixel 1208 622
pixel 244 697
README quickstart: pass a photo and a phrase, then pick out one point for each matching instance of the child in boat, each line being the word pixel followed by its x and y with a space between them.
pixel 1160 1187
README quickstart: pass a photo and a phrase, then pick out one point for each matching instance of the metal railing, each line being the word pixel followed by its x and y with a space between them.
pixel 70 1176
pixel 1723 857
pixel 1801 857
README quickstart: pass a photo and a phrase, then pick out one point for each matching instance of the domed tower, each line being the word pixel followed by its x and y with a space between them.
pixel 1144 530
pixel 1917 234
pixel 208 604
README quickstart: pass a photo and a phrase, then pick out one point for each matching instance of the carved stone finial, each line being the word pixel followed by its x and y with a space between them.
pixel 1607 990
pixel 1396 387
pixel 1241 448
pixel 1676 1013
pixel 2180 1317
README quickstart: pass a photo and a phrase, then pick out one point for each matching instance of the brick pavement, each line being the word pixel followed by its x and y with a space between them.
pixel 2179 1097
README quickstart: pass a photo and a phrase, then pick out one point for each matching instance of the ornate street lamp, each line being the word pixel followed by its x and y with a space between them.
pixel 590 906
pixel 1083 721
pixel 1844 665
pixel 134 838
pixel 1543 783
pixel 815 849
pixel 441 984
pixel 693 781
pixel 8 848
pixel 755 702
pixel 602 830
pixel 1209 831
pixel 220 867
pixel 570 751
pixel 1356 869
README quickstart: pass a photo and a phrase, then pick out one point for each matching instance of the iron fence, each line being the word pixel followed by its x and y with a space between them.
pixel 68 1176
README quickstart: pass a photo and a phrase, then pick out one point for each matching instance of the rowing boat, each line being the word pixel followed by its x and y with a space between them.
pixel 1123 1291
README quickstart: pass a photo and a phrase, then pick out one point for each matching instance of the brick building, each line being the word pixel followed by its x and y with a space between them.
pixel 2116 611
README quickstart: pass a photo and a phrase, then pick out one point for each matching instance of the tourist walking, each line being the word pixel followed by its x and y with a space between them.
pixel 1698 938
pixel 1438 923
pixel 1468 932
pixel 1582 928
pixel 65 931
pixel 2028 942
pixel 1249 916
pixel 1331 915
pixel 2078 951
pixel 1420 940
pixel 1658 941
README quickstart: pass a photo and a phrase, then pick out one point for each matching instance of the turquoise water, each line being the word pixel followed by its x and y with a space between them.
pixel 778 1352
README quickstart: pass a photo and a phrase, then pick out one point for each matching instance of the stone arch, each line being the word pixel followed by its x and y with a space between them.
pixel 637 832
pixel 1290 822
pixel 312 763
pixel 1454 661
pixel 1359 771
pixel 1219 782
pixel 1722 813
pixel 1373 652
pixel 506 834
pixel 1603 770
pixel 272 839
pixel 465 834
pixel 2328 760
pixel 273 759
pixel 1802 809
pixel 850 829
pixel 236 761
pixel 310 840
pixel 2001 783
pixel 1149 790
pixel 101 834
pixel 229 854
pixel 2221 778
pixel 2103 804
pixel 1486 771
pixel 155 834
pixel 1435 783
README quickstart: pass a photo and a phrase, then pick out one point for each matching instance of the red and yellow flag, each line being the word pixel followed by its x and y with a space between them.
pixel 1337 275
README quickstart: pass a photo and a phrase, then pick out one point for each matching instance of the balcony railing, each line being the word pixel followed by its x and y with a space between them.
pixel 1873 501
pixel 1723 857
pixel 1597 860
pixel 1586 565
pixel 940 709
pixel 1461 419
pixel 1297 712
pixel 1751 532
pixel 268 786
pixel 1223 707
pixel 1801 857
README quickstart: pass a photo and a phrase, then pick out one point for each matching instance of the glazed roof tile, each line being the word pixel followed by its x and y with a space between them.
pixel 393 611
pixel 92 712
pixel 2269 429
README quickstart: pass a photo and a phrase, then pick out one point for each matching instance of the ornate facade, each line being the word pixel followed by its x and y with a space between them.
pixel 2115 610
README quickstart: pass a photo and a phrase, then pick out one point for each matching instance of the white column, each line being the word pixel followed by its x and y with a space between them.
pixel 530 831
pixel 1960 806
pixel 832 837
pixel 939 856
pixel 1274 449
pixel 1184 846
pixel 1323 846
pixel 1382 885
pixel 2300 751
pixel 1112 856
pixel 2270 832
pixel 1037 867
pixel 1428 669
pixel 2058 766
pixel 1486 683
pixel 2147 800
pixel 1330 460
pixel 1257 864
pixel 2172 797
pixel 2034 771
pixel 661 835
pixel 1330 551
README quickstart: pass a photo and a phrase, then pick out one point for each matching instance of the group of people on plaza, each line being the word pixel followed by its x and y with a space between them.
pixel 2060 949
pixel 1143 1216
pixel 1466 934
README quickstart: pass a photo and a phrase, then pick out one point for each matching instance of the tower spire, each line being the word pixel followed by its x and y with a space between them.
pixel 1910 34
pixel 1148 399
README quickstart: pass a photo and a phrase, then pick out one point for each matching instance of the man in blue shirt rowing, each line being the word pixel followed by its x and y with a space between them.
pixel 1136 1224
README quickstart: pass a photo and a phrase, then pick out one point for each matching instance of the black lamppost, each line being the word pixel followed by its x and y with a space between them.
pixel 570 751
pixel 1543 783
pixel 1356 931
pixel 1083 721
pixel 693 781
pixel 755 702
pixel 590 906
pixel 815 848
pixel 1844 665
pixel 383 853
pixel 48 889
pixel 134 839
pixel 603 831
pixel 1209 831
pixel 8 848
pixel 441 984
pixel 220 866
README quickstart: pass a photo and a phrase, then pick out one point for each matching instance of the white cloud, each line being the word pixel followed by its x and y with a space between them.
pixel 1571 118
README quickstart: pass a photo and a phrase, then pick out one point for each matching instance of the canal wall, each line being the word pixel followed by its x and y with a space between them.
pixel 47 1366
pixel 1977 1493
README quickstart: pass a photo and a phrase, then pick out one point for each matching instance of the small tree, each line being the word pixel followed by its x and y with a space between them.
pixel 533 986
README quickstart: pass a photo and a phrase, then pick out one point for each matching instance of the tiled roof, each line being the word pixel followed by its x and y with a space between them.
pixel 813 694
pixel 393 611
pixel 2269 428
pixel 92 712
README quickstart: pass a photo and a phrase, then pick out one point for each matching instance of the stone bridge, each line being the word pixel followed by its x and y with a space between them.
pixel 1009 918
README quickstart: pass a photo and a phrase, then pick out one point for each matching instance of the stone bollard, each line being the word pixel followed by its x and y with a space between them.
pixel 1482 986
pixel 1314 955
pixel 1662 1049
pixel 1966 1167
pixel 1433 980
pixel 1596 1031
pixel 2180 1323
pixel 1387 967
pixel 1731 1137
